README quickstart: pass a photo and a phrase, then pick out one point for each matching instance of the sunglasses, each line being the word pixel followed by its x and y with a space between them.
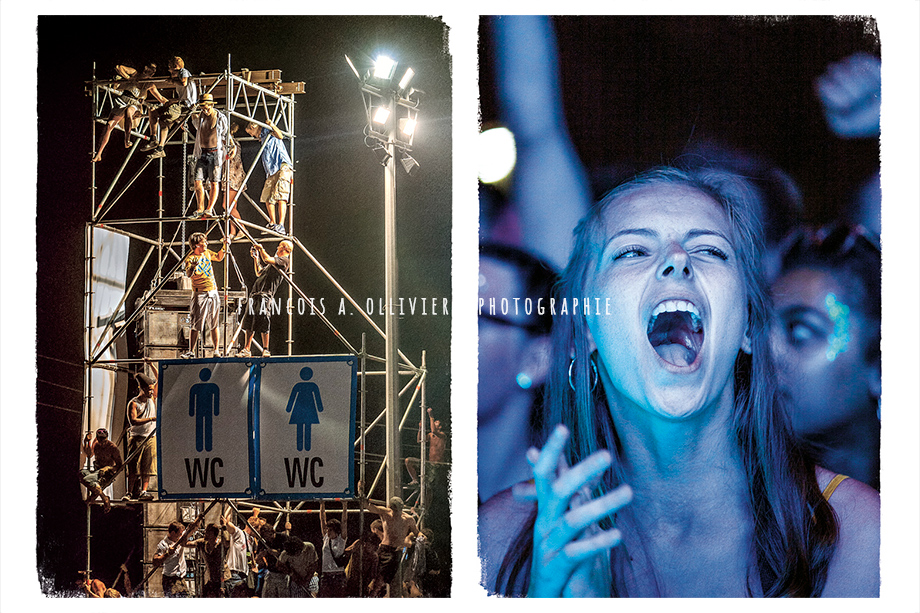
pixel 531 327
pixel 834 239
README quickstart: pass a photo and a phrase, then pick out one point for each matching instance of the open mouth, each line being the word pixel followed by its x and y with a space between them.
pixel 675 331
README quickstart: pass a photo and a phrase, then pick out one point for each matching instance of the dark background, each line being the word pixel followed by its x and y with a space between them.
pixel 338 192
pixel 640 91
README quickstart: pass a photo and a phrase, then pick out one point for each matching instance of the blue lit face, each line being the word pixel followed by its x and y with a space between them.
pixel 678 314
pixel 820 339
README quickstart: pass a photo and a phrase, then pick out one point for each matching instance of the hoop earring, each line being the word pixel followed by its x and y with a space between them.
pixel 593 373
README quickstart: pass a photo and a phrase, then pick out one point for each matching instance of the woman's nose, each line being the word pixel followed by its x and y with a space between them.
pixel 676 263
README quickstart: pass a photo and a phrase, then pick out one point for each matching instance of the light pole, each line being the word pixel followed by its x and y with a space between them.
pixel 392 114
pixel 391 328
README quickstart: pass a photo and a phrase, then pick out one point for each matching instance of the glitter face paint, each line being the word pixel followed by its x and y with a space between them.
pixel 839 339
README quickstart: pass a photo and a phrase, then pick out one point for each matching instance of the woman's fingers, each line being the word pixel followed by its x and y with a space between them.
pixel 545 471
pixel 591 512
pixel 553 573
pixel 524 491
pixel 576 522
pixel 566 532
pixel 560 497
pixel 547 460
pixel 582 549
pixel 585 472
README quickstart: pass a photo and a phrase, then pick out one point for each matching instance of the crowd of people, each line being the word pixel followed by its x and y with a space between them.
pixel 249 558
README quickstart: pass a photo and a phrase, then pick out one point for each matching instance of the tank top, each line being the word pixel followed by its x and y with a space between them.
pixel 144 410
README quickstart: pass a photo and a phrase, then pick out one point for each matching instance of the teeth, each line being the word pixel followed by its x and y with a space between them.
pixel 671 306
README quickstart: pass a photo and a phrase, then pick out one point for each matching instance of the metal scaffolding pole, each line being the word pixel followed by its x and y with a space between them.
pixel 391 352
pixel 423 452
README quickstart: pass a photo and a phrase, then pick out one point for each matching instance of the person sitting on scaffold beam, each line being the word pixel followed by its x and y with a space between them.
pixel 172 111
pixel 106 464
pixel 129 103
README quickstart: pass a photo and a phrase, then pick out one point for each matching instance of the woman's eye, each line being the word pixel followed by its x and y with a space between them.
pixel 799 333
pixel 713 251
pixel 630 251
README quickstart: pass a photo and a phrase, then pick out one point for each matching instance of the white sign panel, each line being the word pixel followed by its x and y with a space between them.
pixel 203 429
pixel 278 428
pixel 305 421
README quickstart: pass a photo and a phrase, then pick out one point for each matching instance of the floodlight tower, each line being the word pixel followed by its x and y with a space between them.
pixel 392 115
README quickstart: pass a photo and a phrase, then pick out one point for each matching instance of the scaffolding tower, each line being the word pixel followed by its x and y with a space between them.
pixel 245 95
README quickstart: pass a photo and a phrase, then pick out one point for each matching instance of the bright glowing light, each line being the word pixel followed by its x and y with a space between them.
pixel 407 125
pixel 497 154
pixel 524 381
pixel 404 82
pixel 384 67
pixel 381 115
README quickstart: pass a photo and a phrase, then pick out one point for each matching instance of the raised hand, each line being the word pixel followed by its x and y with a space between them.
pixel 570 551
pixel 851 93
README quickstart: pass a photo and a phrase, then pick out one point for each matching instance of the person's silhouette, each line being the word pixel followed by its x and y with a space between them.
pixel 203 404
pixel 304 406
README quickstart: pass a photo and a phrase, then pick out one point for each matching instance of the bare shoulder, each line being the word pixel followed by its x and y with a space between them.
pixel 854 571
pixel 501 519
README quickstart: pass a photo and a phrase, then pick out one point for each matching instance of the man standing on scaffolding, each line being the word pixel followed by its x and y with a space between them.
pixel 209 152
pixel 173 111
pixel 279 172
pixel 205 304
pixel 335 533
pixel 259 305
pixel 171 556
pixel 142 442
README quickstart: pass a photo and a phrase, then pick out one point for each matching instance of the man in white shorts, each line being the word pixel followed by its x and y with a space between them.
pixel 205 303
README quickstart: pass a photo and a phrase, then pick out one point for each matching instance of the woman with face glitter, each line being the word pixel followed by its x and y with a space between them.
pixel 670 468
pixel 826 339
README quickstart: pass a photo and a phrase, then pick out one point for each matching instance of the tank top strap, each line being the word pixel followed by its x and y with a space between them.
pixel 829 490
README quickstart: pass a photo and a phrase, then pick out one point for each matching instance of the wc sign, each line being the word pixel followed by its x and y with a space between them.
pixel 274 428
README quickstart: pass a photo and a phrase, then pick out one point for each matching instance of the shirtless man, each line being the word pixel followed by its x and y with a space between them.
pixel 107 461
pixel 397 525
pixel 437 444
pixel 209 143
